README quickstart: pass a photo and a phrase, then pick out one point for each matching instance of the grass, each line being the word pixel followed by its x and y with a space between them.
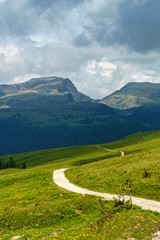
pixel 33 207
pixel 140 168
pixel 111 174
pixel 122 101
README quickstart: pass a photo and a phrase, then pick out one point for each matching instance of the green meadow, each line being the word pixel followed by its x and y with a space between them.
pixel 34 207
pixel 139 168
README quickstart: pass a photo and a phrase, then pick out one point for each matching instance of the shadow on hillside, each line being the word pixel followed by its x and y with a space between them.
pixel 86 161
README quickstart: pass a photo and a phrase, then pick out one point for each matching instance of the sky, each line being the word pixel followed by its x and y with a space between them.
pixel 101 45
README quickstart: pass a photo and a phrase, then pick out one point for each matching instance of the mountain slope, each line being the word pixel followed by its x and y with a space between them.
pixel 50 112
pixel 134 95
pixel 71 124
pixel 137 101
pixel 46 86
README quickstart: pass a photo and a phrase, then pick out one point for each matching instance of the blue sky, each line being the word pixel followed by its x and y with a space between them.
pixel 99 44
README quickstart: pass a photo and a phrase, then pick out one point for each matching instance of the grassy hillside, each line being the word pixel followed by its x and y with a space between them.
pixel 133 95
pixel 140 168
pixel 139 101
pixel 32 206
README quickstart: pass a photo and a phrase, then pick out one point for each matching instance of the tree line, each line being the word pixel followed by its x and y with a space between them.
pixel 10 164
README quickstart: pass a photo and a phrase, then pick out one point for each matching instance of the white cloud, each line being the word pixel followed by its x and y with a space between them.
pixel 103 67
pixel 11 54
pixel 91 67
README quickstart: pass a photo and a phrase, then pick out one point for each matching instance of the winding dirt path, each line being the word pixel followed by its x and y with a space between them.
pixel 60 179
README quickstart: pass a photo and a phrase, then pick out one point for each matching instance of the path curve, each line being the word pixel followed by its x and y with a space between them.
pixel 109 150
pixel 60 179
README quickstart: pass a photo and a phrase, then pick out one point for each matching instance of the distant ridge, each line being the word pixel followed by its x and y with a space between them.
pixel 139 101
pixel 43 86
pixel 133 95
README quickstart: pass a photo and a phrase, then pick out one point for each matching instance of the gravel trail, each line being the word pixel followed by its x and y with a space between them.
pixel 60 179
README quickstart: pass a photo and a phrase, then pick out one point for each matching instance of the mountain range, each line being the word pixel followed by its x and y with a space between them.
pixel 49 112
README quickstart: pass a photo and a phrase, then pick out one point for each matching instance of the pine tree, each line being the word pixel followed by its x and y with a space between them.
pixel 6 166
pixel 11 163
pixel 24 165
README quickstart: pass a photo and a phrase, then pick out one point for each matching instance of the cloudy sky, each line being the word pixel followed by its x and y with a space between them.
pixel 99 44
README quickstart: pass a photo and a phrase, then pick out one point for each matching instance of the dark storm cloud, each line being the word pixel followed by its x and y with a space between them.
pixel 131 23
pixel 139 25
pixel 82 40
